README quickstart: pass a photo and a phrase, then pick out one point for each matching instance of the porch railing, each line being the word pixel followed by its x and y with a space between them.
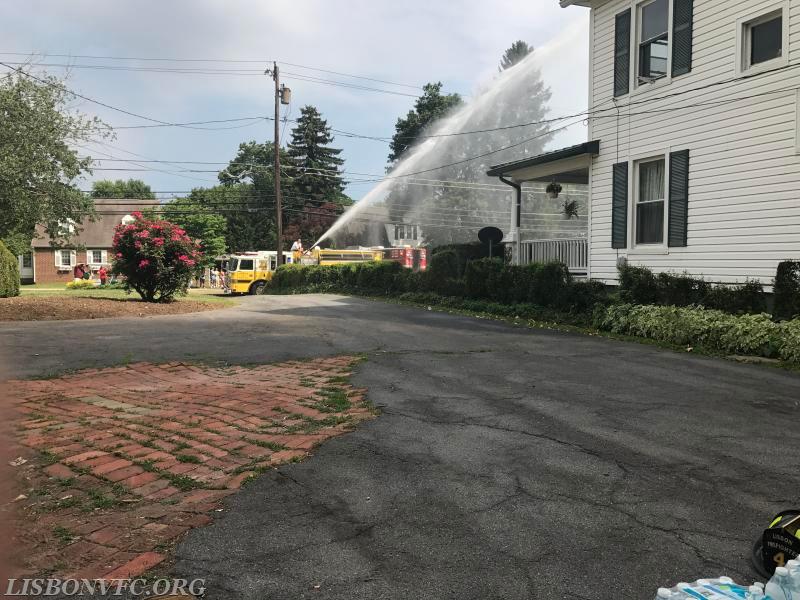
pixel 572 252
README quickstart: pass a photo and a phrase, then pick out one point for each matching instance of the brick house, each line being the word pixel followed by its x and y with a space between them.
pixel 90 243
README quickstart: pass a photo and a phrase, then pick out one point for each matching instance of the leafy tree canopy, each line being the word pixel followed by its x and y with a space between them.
pixel 429 107
pixel 201 223
pixel 514 54
pixel 249 217
pixel 38 168
pixel 248 190
pixel 132 188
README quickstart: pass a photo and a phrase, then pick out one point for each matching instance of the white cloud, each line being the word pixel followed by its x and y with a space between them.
pixel 415 41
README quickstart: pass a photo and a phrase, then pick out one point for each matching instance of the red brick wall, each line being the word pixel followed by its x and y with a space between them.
pixel 45 266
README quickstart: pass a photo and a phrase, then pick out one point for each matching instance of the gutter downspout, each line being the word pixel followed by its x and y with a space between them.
pixel 516 215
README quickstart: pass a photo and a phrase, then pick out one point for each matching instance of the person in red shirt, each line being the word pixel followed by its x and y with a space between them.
pixel 103 275
pixel 79 271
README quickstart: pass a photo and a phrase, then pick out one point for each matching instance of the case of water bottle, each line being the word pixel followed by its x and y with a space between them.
pixel 784 585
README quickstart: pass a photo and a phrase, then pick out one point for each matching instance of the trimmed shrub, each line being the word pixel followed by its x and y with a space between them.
pixel 444 264
pixel 680 289
pixel 376 278
pixel 747 298
pixel 787 290
pixel 156 258
pixel 481 277
pixel 581 297
pixel 547 283
pixel 713 330
pixel 81 284
pixel 465 253
pixel 638 285
pixel 9 273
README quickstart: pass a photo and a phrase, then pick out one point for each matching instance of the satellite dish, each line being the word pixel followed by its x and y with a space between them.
pixel 491 236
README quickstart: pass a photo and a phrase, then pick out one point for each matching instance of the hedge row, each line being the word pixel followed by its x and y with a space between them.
pixel 713 330
pixel 548 286
pixel 379 278
pixel 639 285
pixel 9 273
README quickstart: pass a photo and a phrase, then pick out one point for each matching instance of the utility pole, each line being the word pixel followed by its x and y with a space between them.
pixel 277 175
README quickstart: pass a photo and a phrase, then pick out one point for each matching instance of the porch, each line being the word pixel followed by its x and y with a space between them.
pixel 565 167
pixel 572 252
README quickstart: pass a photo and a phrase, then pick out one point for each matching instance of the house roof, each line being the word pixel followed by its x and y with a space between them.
pixel 98 234
pixel 592 147
pixel 566 3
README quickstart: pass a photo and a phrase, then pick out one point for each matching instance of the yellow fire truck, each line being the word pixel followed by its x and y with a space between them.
pixel 249 272
pixel 411 258
pixel 326 256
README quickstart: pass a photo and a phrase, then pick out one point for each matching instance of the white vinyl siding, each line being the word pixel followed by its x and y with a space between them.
pixel 744 168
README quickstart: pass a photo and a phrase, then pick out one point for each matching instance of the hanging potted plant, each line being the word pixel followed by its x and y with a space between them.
pixel 553 189
pixel 570 209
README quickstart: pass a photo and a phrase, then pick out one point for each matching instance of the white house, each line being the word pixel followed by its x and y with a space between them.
pixel 694 158
pixel 403 234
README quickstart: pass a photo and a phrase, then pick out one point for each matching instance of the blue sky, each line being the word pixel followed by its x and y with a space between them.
pixel 413 42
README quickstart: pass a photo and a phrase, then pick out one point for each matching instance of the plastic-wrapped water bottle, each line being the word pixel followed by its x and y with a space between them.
pixel 794 577
pixel 754 593
pixel 778 588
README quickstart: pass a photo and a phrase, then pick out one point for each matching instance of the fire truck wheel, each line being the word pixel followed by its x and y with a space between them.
pixel 259 288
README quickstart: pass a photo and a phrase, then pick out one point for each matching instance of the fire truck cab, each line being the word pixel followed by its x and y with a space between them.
pixel 249 272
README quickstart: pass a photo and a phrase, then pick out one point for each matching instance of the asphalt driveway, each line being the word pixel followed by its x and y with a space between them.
pixel 507 463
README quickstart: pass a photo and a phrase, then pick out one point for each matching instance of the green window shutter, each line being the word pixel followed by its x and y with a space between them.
pixel 678 198
pixel 682 32
pixel 619 206
pixel 622 54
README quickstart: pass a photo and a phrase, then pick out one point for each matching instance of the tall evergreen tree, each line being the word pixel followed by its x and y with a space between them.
pixel 514 54
pixel 315 164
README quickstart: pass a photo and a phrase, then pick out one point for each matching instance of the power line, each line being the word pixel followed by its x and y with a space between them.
pixel 62 87
pixel 405 85
pixel 213 60
pixel 234 72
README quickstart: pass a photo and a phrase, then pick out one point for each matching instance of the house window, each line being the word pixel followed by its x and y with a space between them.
pixel 405 232
pixel 650 195
pixel 64 258
pixel 94 257
pixel 763 39
pixel 27 260
pixel 653 39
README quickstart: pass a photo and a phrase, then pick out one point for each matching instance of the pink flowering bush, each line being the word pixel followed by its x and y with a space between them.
pixel 156 258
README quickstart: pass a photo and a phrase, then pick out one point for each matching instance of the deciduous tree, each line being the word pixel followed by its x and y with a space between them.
pixel 201 222
pixel 132 188
pixel 38 166
pixel 429 107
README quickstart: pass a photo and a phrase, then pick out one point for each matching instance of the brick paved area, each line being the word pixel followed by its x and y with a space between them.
pixel 123 461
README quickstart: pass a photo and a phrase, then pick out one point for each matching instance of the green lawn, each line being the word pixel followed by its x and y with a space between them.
pixel 58 289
